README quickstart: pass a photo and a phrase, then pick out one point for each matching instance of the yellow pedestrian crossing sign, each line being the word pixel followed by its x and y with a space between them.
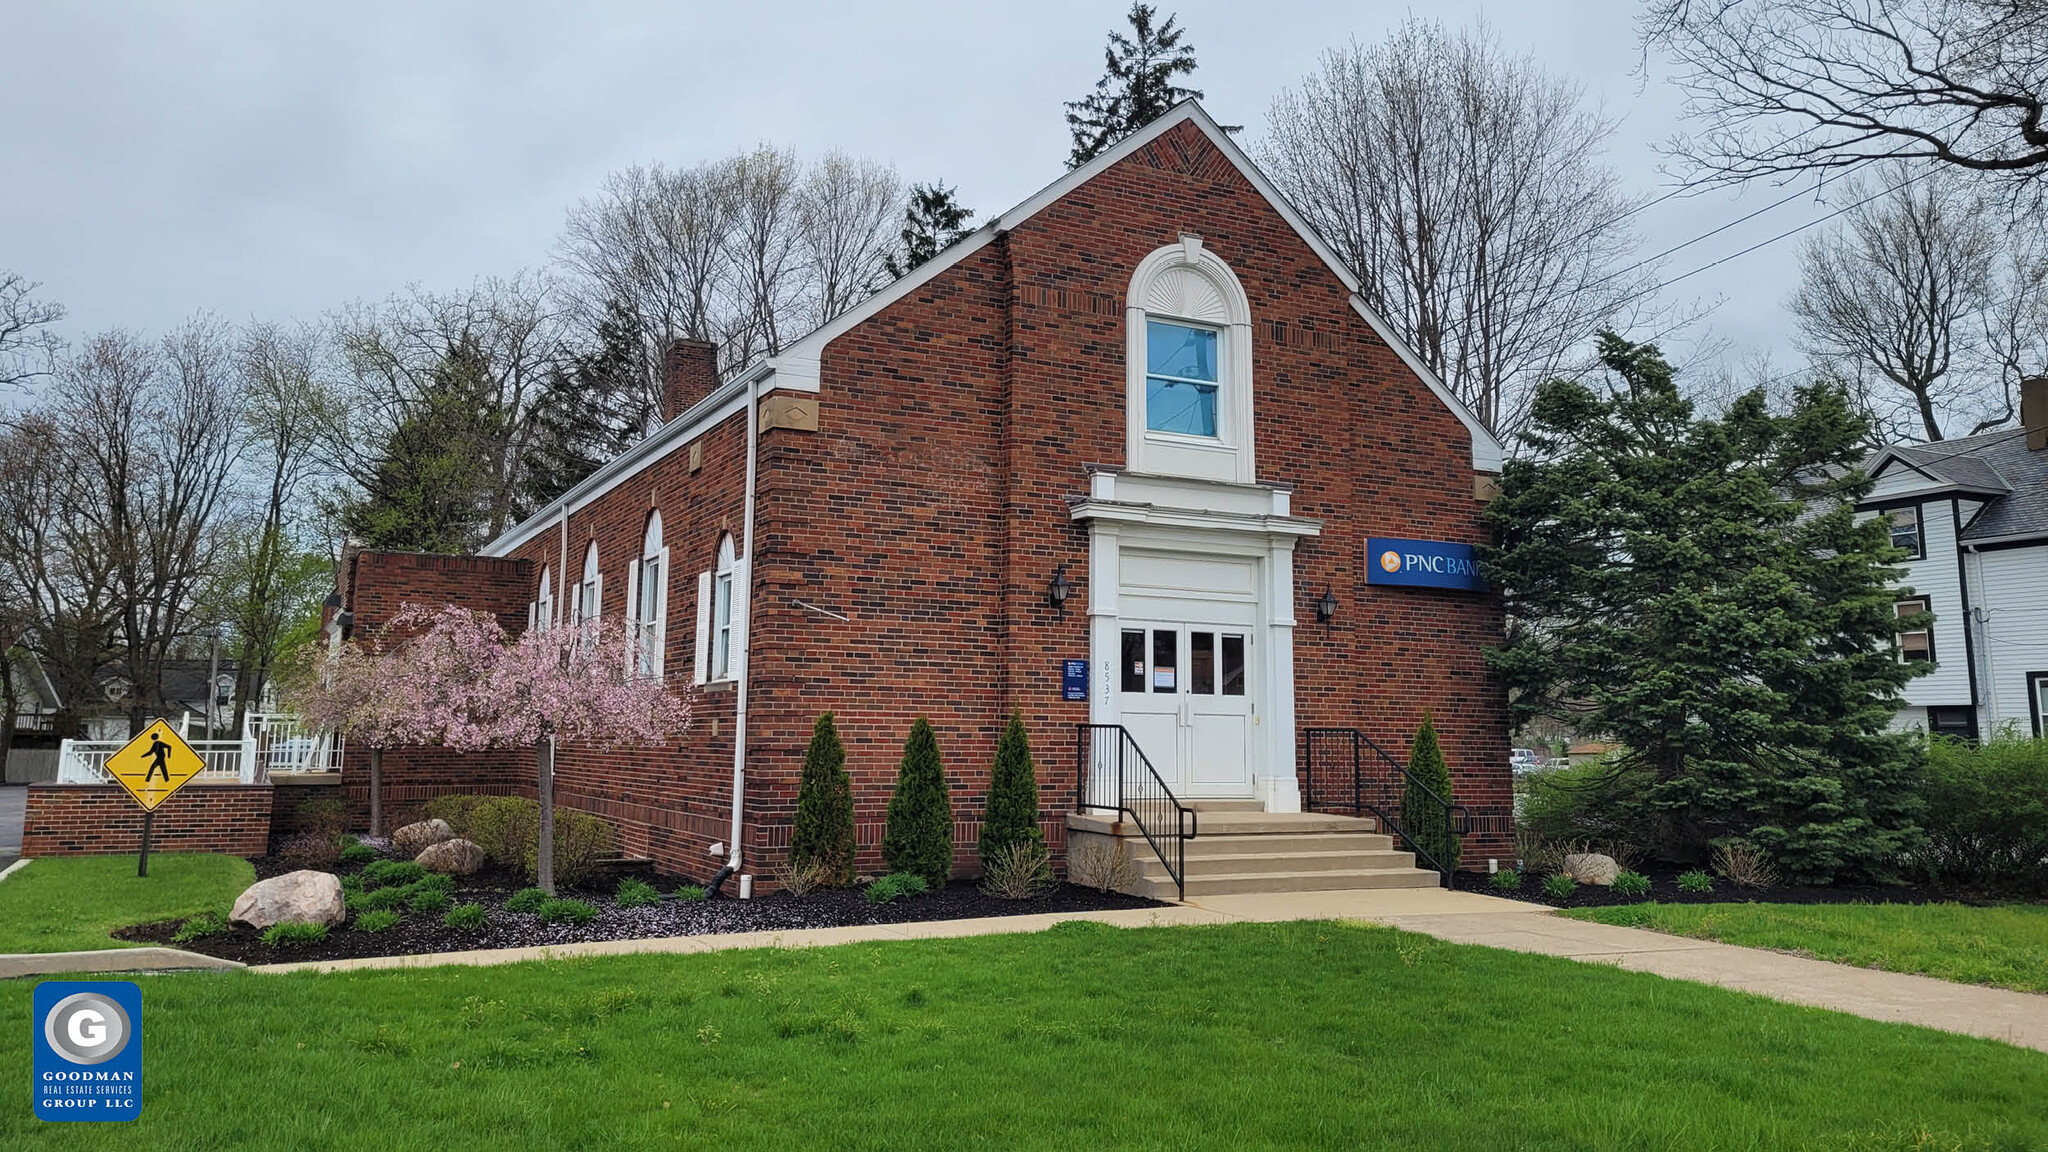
pixel 155 764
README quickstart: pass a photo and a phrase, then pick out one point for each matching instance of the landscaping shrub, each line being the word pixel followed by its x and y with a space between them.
pixel 919 835
pixel 200 927
pixel 1745 865
pixel 1987 813
pixel 1631 884
pixel 823 832
pixel 691 893
pixel 377 921
pixel 327 816
pixel 294 935
pixel 455 809
pixel 381 898
pixel 503 826
pixel 1559 886
pixel 526 900
pixel 799 879
pixel 1595 803
pixel 582 842
pixel 1018 871
pixel 316 850
pixel 1423 819
pixel 392 873
pixel 427 900
pixel 1696 881
pixel 1504 882
pixel 358 852
pixel 635 893
pixel 1105 867
pixel 467 917
pixel 572 911
pixel 895 886
pixel 1012 817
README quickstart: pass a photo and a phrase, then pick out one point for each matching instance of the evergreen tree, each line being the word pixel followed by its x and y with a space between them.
pixel 1425 820
pixel 932 222
pixel 823 834
pixel 1137 85
pixel 919 837
pixel 430 488
pixel 589 413
pixel 1012 816
pixel 1704 592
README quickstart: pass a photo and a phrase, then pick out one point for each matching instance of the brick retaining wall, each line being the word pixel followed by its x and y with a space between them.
pixel 102 820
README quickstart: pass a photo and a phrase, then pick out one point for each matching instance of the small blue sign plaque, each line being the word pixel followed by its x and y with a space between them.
pixel 1422 564
pixel 1074 673
pixel 88 1050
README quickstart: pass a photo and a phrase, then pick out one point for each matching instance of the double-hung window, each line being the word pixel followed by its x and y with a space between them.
pixel 650 600
pixel 1181 378
pixel 1905 525
pixel 1917 644
pixel 721 614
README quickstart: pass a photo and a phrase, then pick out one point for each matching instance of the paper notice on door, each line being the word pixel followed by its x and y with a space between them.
pixel 1162 678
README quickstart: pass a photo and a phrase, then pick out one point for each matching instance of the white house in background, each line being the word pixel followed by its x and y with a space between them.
pixel 1973 514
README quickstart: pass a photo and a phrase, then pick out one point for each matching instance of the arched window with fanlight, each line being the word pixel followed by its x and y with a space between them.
pixel 588 602
pixel 1188 353
pixel 647 600
pixel 542 616
pixel 721 612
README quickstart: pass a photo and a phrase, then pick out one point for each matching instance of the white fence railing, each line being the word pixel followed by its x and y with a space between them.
pixel 271 742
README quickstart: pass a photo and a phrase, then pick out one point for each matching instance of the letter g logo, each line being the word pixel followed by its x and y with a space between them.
pixel 87 1028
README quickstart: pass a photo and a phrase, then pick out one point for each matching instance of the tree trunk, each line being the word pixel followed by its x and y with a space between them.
pixel 544 756
pixel 376 792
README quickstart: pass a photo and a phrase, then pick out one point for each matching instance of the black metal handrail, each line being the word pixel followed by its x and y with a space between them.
pixel 1106 751
pixel 1426 822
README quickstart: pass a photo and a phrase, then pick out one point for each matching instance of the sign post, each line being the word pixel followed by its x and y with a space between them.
pixel 151 767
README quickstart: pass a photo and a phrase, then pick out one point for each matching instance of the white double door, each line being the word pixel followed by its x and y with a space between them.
pixel 1186 694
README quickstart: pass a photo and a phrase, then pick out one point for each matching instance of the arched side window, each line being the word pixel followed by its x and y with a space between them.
pixel 647 601
pixel 589 601
pixel 721 615
pixel 1188 355
pixel 541 616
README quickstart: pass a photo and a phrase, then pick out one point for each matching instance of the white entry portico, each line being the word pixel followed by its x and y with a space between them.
pixel 1191 613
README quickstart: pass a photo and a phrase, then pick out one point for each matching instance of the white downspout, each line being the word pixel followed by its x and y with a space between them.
pixel 746 632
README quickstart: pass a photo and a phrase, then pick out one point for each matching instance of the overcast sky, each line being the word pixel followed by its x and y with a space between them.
pixel 277 160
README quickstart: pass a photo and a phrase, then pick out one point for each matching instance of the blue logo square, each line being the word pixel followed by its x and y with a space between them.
pixel 88 1040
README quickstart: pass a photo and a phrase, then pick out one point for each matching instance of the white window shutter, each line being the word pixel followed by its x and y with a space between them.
pixel 703 627
pixel 660 625
pixel 633 640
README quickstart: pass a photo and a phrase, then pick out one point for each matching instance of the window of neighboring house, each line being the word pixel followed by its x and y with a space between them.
pixel 589 600
pixel 721 612
pixel 1919 643
pixel 650 598
pixel 1182 382
pixel 1906 531
pixel 1959 723
pixel 2037 701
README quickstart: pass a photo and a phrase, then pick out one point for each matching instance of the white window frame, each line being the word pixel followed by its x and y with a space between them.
pixel 1220 385
pixel 647 604
pixel 723 662
pixel 1919 549
pixel 542 617
pixel 1187 284
pixel 588 602
pixel 1920 604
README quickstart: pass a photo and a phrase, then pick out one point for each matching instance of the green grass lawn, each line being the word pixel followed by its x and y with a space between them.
pixel 1243 1036
pixel 70 903
pixel 2005 945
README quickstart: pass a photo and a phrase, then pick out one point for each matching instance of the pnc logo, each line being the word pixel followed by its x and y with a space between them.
pixel 1390 560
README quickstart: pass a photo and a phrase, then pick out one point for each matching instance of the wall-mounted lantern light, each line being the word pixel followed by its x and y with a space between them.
pixel 1057 591
pixel 1326 609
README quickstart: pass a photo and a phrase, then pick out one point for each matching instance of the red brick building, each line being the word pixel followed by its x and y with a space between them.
pixel 1150 385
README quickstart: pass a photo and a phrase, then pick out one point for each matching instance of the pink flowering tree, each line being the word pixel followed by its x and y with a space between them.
pixel 472 688
pixel 370 697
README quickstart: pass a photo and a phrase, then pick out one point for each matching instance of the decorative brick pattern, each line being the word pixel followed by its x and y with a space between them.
pixel 101 819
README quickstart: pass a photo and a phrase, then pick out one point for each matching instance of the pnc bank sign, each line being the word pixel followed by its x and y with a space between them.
pixel 1422 564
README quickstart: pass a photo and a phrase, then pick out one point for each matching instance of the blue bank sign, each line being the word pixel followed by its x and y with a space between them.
pixel 1422 564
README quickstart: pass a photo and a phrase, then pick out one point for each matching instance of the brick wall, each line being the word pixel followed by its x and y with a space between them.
pixel 381 583
pixel 101 819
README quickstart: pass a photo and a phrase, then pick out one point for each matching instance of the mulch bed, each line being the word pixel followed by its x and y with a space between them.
pixel 1664 889
pixel 779 912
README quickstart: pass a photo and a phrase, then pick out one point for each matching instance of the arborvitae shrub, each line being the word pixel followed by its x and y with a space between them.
pixel 1424 820
pixel 823 834
pixel 1012 819
pixel 919 837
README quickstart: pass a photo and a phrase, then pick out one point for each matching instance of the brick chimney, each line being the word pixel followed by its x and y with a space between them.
pixel 2034 411
pixel 689 373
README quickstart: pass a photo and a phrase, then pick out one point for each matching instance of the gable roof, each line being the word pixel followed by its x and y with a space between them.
pixel 799 365
pixel 1996 467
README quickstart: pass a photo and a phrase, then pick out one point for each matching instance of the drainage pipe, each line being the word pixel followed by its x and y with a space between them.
pixel 744 594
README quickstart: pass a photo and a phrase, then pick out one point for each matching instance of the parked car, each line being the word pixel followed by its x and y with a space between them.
pixel 1524 760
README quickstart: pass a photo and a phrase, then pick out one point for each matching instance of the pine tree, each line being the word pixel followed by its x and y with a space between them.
pixel 823 834
pixel 1704 592
pixel 1012 816
pixel 919 837
pixel 932 222
pixel 1136 87
pixel 430 488
pixel 1423 819
pixel 589 413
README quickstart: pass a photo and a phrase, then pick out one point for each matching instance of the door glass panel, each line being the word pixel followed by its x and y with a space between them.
pixel 1202 663
pixel 1233 665
pixel 1134 661
pixel 1165 660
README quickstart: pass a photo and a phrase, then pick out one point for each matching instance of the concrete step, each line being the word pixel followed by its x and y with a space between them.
pixel 1281 862
pixel 1207 845
pixel 1233 884
pixel 1232 823
pixel 1225 805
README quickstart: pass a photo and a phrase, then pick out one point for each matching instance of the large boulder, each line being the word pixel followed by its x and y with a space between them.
pixel 1591 868
pixel 408 842
pixel 455 857
pixel 306 897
